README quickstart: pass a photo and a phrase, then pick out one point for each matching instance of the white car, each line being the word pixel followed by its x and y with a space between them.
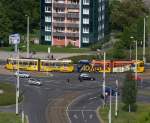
pixel 22 74
pixel 32 81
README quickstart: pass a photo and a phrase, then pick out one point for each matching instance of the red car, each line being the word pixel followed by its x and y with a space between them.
pixel 138 78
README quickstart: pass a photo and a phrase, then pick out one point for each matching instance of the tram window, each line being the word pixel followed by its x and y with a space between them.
pixel 141 65
pixel 14 62
pixel 46 64
pixel 97 65
pixel 30 63
pixel 25 63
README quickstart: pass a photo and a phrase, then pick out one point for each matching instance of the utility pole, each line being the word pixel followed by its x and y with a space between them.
pixel 28 36
pixel 116 104
pixel 136 62
pixel 110 106
pixel 104 78
pixel 144 59
pixel 17 87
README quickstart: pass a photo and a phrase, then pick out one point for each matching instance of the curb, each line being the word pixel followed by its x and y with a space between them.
pixel 98 115
pixel 26 119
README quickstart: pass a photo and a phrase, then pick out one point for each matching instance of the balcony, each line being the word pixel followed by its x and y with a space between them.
pixel 59 5
pixel 72 35
pixel 72 15
pixel 72 6
pixel 58 14
pixel 55 33
pixel 73 25
pixel 55 24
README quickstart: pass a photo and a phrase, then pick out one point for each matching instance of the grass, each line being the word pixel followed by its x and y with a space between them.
pixel 9 95
pixel 44 48
pixel 141 116
pixel 9 118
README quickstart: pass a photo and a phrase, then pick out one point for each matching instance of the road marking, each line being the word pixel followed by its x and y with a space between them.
pixel 92 98
pixel 91 116
pixel 67 109
pixel 75 116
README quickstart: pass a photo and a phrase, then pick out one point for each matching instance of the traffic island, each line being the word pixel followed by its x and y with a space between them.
pixel 142 115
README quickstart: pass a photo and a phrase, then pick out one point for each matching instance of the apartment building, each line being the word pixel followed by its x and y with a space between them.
pixel 76 22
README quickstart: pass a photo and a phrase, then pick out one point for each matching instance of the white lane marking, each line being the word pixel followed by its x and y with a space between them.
pixel 83 116
pixel 75 116
pixel 90 116
pixel 92 98
pixel 67 109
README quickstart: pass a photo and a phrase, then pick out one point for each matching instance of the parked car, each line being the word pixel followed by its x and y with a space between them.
pixel 32 81
pixel 85 76
pixel 22 74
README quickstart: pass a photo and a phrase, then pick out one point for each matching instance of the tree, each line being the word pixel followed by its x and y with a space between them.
pixel 129 93
pixel 13 19
pixel 124 13
pixel 118 52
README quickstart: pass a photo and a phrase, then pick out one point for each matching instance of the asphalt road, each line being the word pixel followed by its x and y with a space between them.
pixel 82 109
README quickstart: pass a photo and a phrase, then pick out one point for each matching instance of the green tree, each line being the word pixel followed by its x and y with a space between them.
pixel 129 93
pixel 13 19
pixel 125 12
pixel 118 52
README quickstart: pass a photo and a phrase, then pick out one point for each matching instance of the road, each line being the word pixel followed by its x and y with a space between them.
pixel 81 109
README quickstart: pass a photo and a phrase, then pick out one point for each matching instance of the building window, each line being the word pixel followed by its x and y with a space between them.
pixel 85 20
pixel 47 28
pixel 47 18
pixel 86 11
pixel 47 38
pixel 48 1
pixel 85 30
pixel 47 9
pixel 85 40
pixel 86 2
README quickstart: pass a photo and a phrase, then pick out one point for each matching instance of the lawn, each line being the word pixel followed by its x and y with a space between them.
pixel 44 48
pixel 8 97
pixel 141 116
pixel 9 118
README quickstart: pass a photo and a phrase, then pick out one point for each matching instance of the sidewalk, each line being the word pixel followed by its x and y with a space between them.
pixel 4 55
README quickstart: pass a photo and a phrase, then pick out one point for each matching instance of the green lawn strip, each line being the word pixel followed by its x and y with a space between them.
pixel 141 116
pixel 9 95
pixel 144 93
pixel 9 118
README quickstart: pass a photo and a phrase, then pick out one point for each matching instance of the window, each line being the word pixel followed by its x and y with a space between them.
pixel 86 11
pixel 85 40
pixel 85 30
pixel 85 20
pixel 47 9
pixel 47 37
pixel 86 2
pixel 47 18
pixel 48 1
pixel 47 28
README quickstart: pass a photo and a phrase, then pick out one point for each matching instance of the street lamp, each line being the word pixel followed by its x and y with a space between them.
pixel 27 36
pixel 144 58
pixel 17 87
pixel 135 58
pixel 104 74
pixel 104 77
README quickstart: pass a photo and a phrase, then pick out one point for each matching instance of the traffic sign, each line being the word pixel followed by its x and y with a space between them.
pixel 14 39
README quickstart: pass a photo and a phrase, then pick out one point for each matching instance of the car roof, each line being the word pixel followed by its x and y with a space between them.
pixel 84 74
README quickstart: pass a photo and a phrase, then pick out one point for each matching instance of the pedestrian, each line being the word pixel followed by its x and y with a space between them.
pixel 68 80
pixel 52 57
